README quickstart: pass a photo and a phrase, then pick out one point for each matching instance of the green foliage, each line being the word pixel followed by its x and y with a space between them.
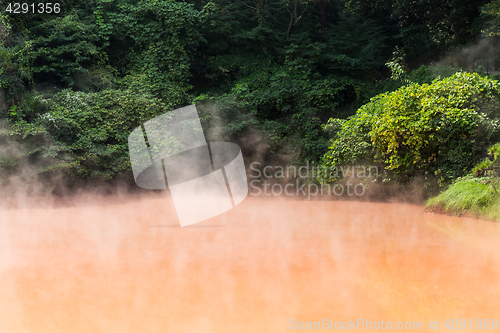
pixel 423 28
pixel 398 72
pixel 87 133
pixel 465 195
pixel 439 129
pixel 489 167
pixel 162 37
pixel 423 74
pixel 287 54
pixel 9 164
pixel 15 73
pixel 277 91
pixel 482 166
pixel 290 80
pixel 494 151
pixel 4 28
pixel 74 85
pixel 296 140
pixel 64 46
pixel 473 194
pixel 427 74
pixel 492 10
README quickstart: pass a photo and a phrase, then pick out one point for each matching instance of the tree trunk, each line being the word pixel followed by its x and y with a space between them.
pixel 323 14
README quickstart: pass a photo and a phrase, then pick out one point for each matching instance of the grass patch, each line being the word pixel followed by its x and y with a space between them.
pixel 469 195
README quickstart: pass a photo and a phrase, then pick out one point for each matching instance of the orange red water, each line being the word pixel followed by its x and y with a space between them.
pixel 125 265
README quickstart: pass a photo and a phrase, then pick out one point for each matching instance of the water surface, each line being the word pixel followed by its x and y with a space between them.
pixel 125 265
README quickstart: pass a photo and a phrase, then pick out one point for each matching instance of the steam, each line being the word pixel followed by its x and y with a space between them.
pixel 470 58
pixel 18 178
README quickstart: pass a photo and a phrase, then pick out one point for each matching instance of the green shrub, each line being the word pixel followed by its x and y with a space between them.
pixel 442 128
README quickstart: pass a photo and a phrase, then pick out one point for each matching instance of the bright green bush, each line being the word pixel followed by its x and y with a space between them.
pixel 441 128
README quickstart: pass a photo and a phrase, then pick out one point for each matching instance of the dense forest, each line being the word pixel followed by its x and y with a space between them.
pixel 404 84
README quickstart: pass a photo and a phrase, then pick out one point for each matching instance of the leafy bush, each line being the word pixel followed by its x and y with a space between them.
pixel 87 133
pixel 441 128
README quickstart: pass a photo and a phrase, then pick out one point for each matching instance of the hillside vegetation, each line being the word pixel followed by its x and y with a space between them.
pixel 329 82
